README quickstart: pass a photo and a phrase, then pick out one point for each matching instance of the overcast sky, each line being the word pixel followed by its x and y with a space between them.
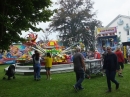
pixel 107 10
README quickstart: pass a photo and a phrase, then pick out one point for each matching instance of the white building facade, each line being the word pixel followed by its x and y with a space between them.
pixel 122 23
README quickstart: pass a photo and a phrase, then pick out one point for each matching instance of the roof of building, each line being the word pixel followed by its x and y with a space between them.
pixel 117 18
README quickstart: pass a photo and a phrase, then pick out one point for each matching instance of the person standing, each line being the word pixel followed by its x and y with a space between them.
pixel 37 66
pixel 97 55
pixel 111 66
pixel 104 53
pixel 84 54
pixel 128 53
pixel 48 65
pixel 79 69
pixel 120 58
pixel 34 62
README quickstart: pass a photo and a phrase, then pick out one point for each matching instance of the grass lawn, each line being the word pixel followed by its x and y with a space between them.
pixel 61 85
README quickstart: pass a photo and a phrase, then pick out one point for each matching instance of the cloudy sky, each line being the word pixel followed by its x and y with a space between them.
pixel 107 10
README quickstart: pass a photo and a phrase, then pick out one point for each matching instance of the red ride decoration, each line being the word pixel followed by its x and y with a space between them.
pixel 31 39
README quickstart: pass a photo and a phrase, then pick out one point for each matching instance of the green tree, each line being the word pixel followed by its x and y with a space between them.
pixel 21 15
pixel 75 21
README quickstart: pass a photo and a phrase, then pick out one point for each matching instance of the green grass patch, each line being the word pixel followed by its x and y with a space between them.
pixel 61 85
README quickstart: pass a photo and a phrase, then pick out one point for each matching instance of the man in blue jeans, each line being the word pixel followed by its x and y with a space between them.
pixel 111 67
pixel 79 69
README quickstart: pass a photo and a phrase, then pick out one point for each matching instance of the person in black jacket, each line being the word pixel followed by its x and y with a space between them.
pixel 111 67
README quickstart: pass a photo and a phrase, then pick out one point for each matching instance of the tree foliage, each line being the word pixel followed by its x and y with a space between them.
pixel 75 21
pixel 21 15
pixel 45 35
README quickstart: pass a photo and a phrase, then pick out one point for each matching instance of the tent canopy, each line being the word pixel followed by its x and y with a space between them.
pixel 126 43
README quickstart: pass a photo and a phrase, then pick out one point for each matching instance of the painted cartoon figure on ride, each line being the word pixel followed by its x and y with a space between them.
pixel 31 39
pixel 20 51
pixel 26 53
pixel 14 51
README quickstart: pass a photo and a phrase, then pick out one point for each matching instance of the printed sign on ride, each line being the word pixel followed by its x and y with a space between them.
pixel 106 30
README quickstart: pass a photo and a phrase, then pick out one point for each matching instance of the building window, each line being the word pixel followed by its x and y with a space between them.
pixel 128 32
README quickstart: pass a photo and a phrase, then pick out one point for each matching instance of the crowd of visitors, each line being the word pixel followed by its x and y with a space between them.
pixel 112 62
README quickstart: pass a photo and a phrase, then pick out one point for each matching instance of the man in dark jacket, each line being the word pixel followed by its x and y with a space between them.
pixel 111 66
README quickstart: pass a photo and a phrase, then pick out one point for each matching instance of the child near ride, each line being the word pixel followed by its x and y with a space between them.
pixel 48 65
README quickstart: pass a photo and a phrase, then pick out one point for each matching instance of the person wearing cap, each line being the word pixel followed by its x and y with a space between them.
pixel 79 69
pixel 111 67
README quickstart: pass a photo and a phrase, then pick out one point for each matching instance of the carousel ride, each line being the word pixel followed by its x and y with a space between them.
pixel 58 54
pixel 22 53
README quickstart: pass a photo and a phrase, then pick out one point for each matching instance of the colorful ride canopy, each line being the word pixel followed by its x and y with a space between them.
pixel 53 43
